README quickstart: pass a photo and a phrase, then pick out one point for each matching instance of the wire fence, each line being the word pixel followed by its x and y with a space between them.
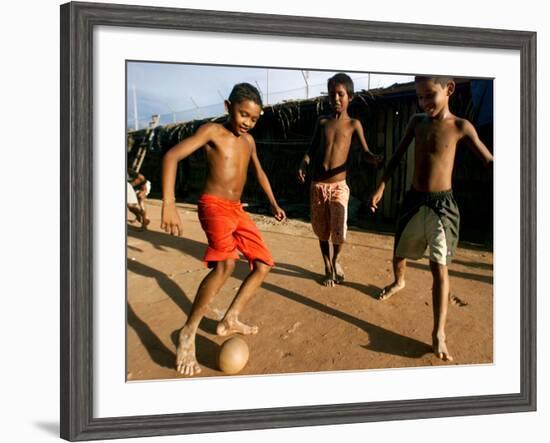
pixel 215 110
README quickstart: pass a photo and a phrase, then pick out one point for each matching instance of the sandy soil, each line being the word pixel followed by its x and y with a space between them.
pixel 304 326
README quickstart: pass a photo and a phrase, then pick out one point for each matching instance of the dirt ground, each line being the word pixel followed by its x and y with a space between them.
pixel 304 327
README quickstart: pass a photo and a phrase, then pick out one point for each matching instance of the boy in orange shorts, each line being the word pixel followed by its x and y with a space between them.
pixel 229 151
pixel 326 160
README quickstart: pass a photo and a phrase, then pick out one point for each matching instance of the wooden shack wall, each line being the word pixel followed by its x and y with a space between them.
pixel 283 135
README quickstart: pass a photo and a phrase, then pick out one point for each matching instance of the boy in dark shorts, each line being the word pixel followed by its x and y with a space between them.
pixel 429 215
pixel 229 151
pixel 326 161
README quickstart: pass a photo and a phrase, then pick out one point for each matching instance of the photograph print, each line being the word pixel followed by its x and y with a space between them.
pixel 298 221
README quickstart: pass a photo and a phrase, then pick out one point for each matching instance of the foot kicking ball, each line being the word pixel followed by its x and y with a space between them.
pixel 233 355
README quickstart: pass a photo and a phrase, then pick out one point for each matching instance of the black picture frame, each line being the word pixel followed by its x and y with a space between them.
pixel 77 217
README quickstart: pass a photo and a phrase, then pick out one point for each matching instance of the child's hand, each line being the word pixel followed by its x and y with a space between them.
pixel 379 160
pixel 278 213
pixel 376 159
pixel 376 197
pixel 170 220
pixel 302 175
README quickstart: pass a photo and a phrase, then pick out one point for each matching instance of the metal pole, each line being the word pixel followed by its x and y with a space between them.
pixel 267 87
pixel 136 120
pixel 259 89
pixel 196 106
pixel 305 74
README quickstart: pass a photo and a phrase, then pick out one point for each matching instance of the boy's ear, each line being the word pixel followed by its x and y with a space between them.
pixel 451 86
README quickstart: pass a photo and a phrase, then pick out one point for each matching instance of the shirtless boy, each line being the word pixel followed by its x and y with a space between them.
pixel 141 188
pixel 229 152
pixel 326 161
pixel 429 215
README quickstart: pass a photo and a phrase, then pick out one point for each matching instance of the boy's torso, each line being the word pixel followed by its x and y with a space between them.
pixel 435 148
pixel 228 157
pixel 330 162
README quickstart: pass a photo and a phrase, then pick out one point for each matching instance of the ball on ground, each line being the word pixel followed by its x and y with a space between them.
pixel 233 355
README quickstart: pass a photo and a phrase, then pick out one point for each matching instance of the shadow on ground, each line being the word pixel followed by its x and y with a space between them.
pixel 380 339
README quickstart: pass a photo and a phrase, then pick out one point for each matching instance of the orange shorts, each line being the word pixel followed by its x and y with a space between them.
pixel 229 229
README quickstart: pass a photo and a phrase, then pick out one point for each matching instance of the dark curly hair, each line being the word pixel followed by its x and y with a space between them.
pixel 245 91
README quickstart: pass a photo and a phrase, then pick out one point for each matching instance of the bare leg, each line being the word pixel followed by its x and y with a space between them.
pixel 186 362
pixel 338 271
pixel 139 212
pixel 440 294
pixel 134 209
pixel 231 324
pixel 329 271
pixel 144 220
pixel 399 267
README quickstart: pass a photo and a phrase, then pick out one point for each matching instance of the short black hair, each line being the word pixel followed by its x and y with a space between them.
pixel 132 173
pixel 441 79
pixel 245 91
pixel 341 79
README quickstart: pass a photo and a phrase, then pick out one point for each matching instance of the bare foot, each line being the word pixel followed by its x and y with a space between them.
pixel 440 348
pixel 328 281
pixel 186 362
pixel 390 290
pixel 338 274
pixel 234 326
pixel 145 223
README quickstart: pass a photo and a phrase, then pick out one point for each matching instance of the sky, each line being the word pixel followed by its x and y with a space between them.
pixel 183 92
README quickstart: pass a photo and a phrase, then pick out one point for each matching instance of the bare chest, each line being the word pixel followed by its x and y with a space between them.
pixel 229 151
pixel 337 132
pixel 437 138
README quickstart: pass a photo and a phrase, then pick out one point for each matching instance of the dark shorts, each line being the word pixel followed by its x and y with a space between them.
pixel 428 219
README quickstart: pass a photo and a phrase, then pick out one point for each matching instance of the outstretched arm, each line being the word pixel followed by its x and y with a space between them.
pixel 304 165
pixel 263 181
pixel 394 161
pixel 170 221
pixel 375 159
pixel 475 144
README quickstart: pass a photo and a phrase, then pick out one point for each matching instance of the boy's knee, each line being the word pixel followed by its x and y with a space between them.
pixel 399 261
pixel 262 267
pixel 230 265
pixel 226 266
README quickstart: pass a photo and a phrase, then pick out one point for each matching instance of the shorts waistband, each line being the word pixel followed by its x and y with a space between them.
pixel 431 195
pixel 215 199
pixel 341 182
